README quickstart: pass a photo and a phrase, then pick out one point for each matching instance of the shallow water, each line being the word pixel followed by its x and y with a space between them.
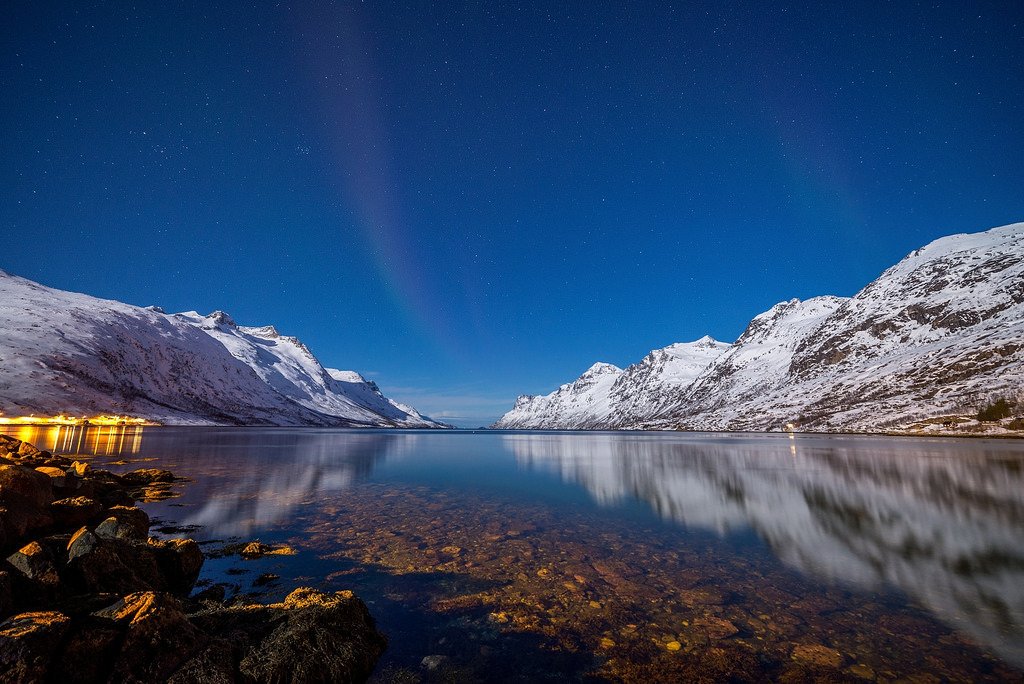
pixel 624 556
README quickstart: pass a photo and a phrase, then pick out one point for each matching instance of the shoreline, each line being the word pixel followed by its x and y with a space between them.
pixel 87 595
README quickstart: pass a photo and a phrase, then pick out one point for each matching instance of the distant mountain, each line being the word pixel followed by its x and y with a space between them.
pixel 933 339
pixel 62 352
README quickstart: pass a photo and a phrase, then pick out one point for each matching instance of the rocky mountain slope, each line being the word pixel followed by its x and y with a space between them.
pixel 930 341
pixel 62 352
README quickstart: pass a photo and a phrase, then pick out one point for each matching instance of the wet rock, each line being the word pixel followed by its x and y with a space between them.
pixel 158 637
pixel 157 492
pixel 112 528
pixel 112 566
pixel 25 494
pixel 817 655
pixel 27 643
pixel 74 512
pixel 715 627
pixel 136 518
pixel 82 542
pixel 213 664
pixel 265 579
pixel 861 671
pixel 30 451
pixel 87 652
pixel 8 445
pixel 310 636
pixel 37 564
pixel 56 475
pixel 214 593
pixel 147 476
pixel 107 490
pixel 256 549
pixel 78 469
pixel 179 561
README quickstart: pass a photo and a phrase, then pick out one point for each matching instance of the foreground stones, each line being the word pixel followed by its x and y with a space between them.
pixel 87 596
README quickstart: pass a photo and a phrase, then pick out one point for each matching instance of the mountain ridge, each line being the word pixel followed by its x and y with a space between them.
pixel 929 341
pixel 70 353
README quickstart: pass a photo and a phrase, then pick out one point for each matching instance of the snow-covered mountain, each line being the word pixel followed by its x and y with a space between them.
pixel 937 336
pixel 63 352
pixel 581 404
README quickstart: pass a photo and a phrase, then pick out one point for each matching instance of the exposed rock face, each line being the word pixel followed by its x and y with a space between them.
pixel 937 335
pixel 107 603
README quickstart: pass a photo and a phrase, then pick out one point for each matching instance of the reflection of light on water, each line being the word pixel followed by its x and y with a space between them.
pixel 103 440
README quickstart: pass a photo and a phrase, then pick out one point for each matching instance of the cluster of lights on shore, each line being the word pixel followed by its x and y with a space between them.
pixel 64 419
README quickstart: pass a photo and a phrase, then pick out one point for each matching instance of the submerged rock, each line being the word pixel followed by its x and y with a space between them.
pixel 817 655
pixel 147 476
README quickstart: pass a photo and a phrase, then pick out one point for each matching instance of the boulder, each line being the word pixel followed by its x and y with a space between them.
pixel 74 512
pixel 214 664
pixel 26 495
pixel 180 561
pixel 214 593
pixel 106 488
pixel 36 563
pixel 136 518
pixel 158 637
pixel 27 644
pixel 57 476
pixel 81 543
pixel 87 652
pixel 112 528
pixel 9 445
pixel 113 566
pixel 310 637
pixel 30 451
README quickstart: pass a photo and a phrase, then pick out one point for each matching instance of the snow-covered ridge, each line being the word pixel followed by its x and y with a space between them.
pixel 939 334
pixel 63 352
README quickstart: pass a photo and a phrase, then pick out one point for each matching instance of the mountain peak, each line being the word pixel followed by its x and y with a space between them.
pixel 221 318
pixel 601 368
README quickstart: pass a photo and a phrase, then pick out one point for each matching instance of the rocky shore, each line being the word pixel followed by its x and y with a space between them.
pixel 86 595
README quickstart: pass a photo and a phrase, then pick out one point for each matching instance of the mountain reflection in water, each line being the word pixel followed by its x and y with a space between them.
pixel 286 470
pixel 942 521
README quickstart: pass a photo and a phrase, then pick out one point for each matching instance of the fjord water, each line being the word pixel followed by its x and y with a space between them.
pixel 627 556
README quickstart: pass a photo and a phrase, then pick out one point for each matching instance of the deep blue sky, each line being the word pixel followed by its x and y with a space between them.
pixel 469 200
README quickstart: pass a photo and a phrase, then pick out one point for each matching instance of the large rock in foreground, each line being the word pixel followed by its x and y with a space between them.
pixel 149 637
pixel 88 596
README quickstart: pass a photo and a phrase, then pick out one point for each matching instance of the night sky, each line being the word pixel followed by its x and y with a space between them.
pixel 469 200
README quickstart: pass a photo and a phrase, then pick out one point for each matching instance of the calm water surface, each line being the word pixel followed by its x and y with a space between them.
pixel 622 556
